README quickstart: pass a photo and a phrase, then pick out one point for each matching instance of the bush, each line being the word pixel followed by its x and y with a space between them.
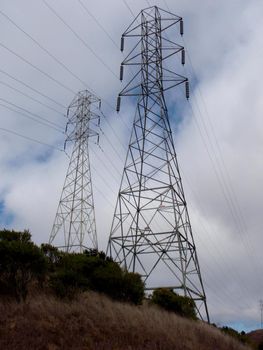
pixel 171 301
pixel 242 337
pixel 108 279
pixel 93 270
pixel 133 288
pixel 67 283
pixel 67 275
pixel 52 254
pixel 21 262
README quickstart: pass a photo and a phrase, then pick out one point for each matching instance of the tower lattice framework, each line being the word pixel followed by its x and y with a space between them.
pixel 151 232
pixel 74 227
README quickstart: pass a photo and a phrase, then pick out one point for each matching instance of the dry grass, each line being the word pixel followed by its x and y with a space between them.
pixel 94 322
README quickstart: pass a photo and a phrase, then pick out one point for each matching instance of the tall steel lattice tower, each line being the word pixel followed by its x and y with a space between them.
pixel 151 232
pixel 74 228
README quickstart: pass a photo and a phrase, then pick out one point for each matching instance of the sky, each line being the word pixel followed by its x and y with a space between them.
pixel 51 49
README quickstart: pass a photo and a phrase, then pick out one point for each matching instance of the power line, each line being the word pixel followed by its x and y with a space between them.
pixel 112 129
pixel 33 116
pixel 30 139
pixel 37 68
pixel 32 89
pixel 112 146
pixel 233 203
pixel 86 45
pixel 113 166
pixel 79 37
pixel 220 178
pixel 45 50
pixel 98 23
pixel 220 157
pixel 197 200
pixel 101 27
pixel 148 2
pixel 25 115
pixel 223 177
pixel 128 7
pixel 165 3
pixel 98 189
pixel 31 98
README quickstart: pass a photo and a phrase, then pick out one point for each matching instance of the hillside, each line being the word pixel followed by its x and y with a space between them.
pixel 256 337
pixel 93 321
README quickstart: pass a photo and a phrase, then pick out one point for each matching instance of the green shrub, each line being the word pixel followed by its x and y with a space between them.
pixel 242 337
pixel 67 276
pixel 171 301
pixel 21 261
pixel 67 283
pixel 52 254
pixel 92 270
pixel 15 236
pixel 133 288
pixel 108 279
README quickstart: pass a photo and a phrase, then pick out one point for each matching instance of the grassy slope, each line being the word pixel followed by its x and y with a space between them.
pixel 94 322
pixel 256 336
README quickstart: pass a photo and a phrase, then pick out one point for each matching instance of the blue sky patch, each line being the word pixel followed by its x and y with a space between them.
pixel 6 219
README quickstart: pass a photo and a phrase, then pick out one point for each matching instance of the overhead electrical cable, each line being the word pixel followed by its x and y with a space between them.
pixel 113 130
pixel 216 158
pixel 128 7
pixel 98 23
pixel 110 164
pixel 79 37
pixel 46 51
pixel 34 116
pixel 226 185
pixel 217 146
pixel 28 117
pixel 31 98
pixel 37 68
pixel 235 273
pixel 32 89
pixel 226 182
pixel 221 181
pixel 148 3
pixel 30 139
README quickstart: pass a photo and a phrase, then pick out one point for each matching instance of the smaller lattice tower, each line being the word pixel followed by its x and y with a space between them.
pixel 74 227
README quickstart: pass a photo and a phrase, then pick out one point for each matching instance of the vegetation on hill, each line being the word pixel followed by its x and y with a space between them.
pixel 48 301
pixel 170 301
pixel 23 264
pixel 93 321
pixel 256 338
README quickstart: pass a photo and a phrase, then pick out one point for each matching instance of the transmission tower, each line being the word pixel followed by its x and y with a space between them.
pixel 151 232
pixel 74 228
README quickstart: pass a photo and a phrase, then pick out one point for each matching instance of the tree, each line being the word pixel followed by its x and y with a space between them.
pixel 133 288
pixel 21 261
pixel 169 300
pixel 52 254
pixel 93 270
